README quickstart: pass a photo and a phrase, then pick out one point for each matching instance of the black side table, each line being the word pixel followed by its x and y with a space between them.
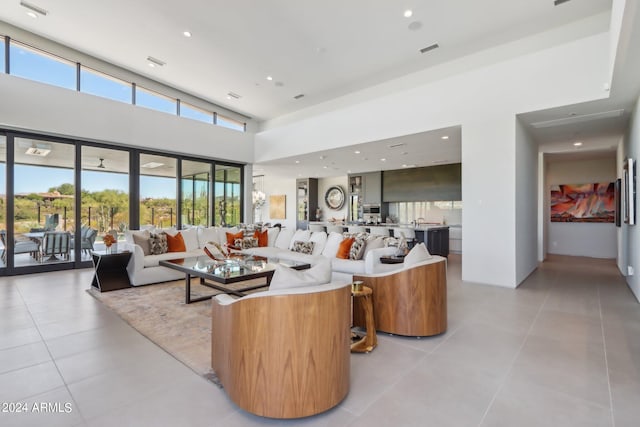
pixel 111 270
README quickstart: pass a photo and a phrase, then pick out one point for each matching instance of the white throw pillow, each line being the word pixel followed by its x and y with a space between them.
pixel 207 235
pixel 272 234
pixel 319 238
pixel 300 236
pixel 190 237
pixel 418 254
pixel 373 242
pixel 284 239
pixel 286 278
pixel 333 243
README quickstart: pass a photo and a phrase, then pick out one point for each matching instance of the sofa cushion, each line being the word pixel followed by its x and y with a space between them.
pixel 262 236
pixel 303 247
pixel 285 277
pixel 206 235
pixel 418 254
pixel 332 244
pixel 300 236
pixel 175 243
pixel 128 235
pixel 348 266
pixel 190 236
pixel 344 248
pixel 158 243
pixel 373 242
pixel 142 239
pixel 273 234
pixel 357 248
pixel 283 241
pixel 153 260
pixel 231 237
pixel 246 243
pixel 319 238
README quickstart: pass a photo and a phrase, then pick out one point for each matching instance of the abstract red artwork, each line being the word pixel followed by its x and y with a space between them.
pixel 583 202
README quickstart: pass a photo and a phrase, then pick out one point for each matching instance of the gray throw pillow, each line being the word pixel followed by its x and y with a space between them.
pixel 143 242
pixel 158 244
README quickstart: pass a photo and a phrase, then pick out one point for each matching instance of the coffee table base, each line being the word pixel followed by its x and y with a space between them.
pixel 219 287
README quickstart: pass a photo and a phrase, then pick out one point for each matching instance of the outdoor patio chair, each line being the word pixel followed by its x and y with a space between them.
pixel 55 243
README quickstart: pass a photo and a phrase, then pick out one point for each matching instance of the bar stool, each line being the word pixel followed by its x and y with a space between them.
pixel 409 235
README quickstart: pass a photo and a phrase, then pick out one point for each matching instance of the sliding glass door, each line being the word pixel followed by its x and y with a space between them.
pixel 196 177
pixel 43 200
pixel 228 182
pixel 104 196
pixel 158 201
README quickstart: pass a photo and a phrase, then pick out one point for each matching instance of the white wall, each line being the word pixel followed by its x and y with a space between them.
pixel 632 149
pixel 484 101
pixel 526 203
pixel 596 240
pixel 38 107
pixel 276 183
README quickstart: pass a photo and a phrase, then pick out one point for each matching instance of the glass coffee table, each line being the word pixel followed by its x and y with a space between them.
pixel 220 273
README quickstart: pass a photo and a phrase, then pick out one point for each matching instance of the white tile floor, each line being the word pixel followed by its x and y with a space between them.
pixel 563 350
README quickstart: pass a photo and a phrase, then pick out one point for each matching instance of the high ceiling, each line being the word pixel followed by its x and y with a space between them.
pixel 325 50
pixel 321 50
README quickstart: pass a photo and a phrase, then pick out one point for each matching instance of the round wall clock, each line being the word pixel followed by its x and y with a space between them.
pixel 334 197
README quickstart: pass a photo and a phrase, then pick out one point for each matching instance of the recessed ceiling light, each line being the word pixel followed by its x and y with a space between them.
pixel 187 33
pixel 444 137
pixel 269 78
pixel 325 167
pixel 32 14
pixel 408 166
pixel 297 161
pixel 152 165
pixel 357 152
pixel 383 159
pixel 577 144
pixel 408 13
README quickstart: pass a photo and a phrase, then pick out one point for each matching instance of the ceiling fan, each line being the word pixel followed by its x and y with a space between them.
pixel 101 165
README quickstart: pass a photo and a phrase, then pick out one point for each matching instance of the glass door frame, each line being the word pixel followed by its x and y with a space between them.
pixel 134 193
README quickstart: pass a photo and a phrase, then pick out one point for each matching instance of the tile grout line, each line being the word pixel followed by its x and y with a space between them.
pixel 606 361
pixel 506 376
pixel 53 359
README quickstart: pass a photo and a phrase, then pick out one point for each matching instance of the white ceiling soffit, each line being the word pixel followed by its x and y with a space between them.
pixel 578 119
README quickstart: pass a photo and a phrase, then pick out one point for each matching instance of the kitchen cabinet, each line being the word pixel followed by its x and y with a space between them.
pixel 364 189
pixel 306 201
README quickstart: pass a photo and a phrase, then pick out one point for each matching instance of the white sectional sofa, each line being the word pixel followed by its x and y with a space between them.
pixel 325 246
pixel 145 269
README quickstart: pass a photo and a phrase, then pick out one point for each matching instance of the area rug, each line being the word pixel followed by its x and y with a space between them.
pixel 159 313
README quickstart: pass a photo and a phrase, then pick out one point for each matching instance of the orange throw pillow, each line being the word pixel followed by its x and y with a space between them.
pixel 231 238
pixel 176 243
pixel 345 247
pixel 263 238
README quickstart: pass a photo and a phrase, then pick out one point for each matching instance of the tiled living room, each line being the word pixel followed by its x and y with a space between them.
pixel 502 135
pixel 557 351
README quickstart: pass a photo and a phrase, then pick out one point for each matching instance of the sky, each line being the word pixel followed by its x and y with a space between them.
pixel 37 179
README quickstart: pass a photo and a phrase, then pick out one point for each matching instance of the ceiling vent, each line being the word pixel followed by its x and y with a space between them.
pixel 234 95
pixel 429 48
pixel 299 96
pixel 34 8
pixel 559 2
pixel 155 61
pixel 400 144
pixel 578 119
